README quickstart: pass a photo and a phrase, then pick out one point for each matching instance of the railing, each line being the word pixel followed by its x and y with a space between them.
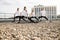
pixel 6 16
pixel 9 16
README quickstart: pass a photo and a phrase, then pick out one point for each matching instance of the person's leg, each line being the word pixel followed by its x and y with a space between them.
pixel 14 18
pixel 40 18
pixel 24 18
pixel 45 17
pixel 19 19
pixel 29 18
pixel 36 18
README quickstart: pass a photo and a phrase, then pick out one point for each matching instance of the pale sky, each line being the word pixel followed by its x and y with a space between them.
pixel 9 6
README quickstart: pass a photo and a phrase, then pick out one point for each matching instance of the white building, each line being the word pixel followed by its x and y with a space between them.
pixel 50 11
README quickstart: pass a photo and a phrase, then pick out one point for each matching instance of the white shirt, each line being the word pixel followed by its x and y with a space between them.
pixel 43 12
pixel 33 14
pixel 17 13
pixel 24 13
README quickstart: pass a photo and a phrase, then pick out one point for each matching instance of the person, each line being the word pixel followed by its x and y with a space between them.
pixel 24 14
pixel 17 15
pixel 43 12
pixel 32 15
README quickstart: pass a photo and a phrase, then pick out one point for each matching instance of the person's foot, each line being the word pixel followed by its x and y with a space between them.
pixel 18 22
pixel 36 22
pixel 47 19
pixel 40 20
pixel 31 22
pixel 13 21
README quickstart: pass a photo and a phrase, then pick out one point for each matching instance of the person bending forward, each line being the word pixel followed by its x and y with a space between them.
pixel 43 12
pixel 17 15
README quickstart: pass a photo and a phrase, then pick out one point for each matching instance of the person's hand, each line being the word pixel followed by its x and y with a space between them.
pixel 26 10
pixel 30 15
pixel 20 14
pixel 14 15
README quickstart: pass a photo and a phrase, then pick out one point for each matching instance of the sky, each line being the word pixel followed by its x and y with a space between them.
pixel 9 6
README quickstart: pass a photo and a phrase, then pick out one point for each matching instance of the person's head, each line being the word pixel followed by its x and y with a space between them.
pixel 42 9
pixel 25 8
pixel 17 9
pixel 32 9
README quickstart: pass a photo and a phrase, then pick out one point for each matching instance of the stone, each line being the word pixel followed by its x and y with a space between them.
pixel 13 35
pixel 59 39
pixel 30 31
pixel 0 38
pixel 36 38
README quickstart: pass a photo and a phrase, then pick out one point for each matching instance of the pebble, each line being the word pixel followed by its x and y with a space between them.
pixel 31 31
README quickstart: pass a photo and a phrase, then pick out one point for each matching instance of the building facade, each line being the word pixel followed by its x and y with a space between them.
pixel 50 11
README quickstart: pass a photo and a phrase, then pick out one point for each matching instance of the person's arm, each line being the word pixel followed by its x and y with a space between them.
pixel 32 12
pixel 20 13
pixel 14 14
pixel 26 12
pixel 45 13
